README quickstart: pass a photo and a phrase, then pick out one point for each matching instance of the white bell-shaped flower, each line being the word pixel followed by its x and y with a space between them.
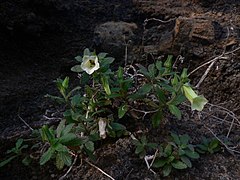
pixel 90 64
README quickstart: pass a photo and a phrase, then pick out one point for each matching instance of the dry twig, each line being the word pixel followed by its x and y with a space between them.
pixel 70 168
pixel 25 123
pixel 231 150
pixel 99 170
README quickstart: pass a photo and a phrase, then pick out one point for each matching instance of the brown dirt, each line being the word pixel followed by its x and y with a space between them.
pixel 40 38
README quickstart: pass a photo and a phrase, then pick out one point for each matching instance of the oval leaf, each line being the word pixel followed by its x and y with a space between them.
pixel 77 68
pixel 122 111
pixel 179 165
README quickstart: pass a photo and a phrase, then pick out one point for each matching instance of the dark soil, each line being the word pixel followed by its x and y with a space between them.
pixel 39 39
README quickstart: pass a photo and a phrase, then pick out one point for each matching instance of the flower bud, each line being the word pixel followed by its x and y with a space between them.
pixel 102 123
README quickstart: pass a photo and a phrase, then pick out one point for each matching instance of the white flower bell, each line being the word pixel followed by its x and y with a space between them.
pixel 90 64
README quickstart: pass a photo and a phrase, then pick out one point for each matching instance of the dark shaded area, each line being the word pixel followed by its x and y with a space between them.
pixel 39 39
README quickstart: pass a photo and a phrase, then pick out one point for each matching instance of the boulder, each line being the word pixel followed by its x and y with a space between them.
pixel 114 37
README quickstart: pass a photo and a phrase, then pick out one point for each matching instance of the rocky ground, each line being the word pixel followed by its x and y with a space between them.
pixel 39 39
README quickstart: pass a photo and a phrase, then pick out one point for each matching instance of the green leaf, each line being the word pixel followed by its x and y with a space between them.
pixel 159 65
pixel 174 81
pixel 175 111
pixel 168 62
pixel 184 139
pixel 202 147
pixel 179 165
pixel 105 84
pixel 159 163
pixel 190 146
pixel 157 118
pixel 166 87
pixel 66 158
pixel 78 58
pixel 184 76
pixel 86 52
pixel 152 70
pixel 84 78
pixel 146 88
pixel 46 156
pixel 74 142
pixel 161 95
pixel 167 170
pixel 192 154
pixel 59 162
pixel 187 161
pixel 122 110
pixel 214 144
pixel 77 68
pixel 108 60
pixel 102 55
pixel 19 143
pixel 67 113
pixel 55 98
pixel 144 71
pixel 94 136
pixel 27 160
pixel 47 134
pixel 152 145
pixel 73 90
pixel 65 83
pixel 67 129
pixel 168 150
pixel 90 146
pixel 23 147
pixel 60 147
pixel 60 127
pixel 170 159
pixel 76 116
pixel 120 73
pixel 144 140
pixel 175 138
pixel 139 149
pixel 118 127
pixel 180 98
pixel 66 138
pixel 3 163
pixel 181 152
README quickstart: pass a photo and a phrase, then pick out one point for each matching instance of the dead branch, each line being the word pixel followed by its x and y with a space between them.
pixel 99 170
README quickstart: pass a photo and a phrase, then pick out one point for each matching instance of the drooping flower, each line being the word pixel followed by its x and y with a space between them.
pixel 102 123
pixel 197 102
pixel 90 64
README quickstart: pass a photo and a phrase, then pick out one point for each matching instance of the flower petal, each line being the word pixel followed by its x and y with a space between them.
pixel 199 103
pixel 90 64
